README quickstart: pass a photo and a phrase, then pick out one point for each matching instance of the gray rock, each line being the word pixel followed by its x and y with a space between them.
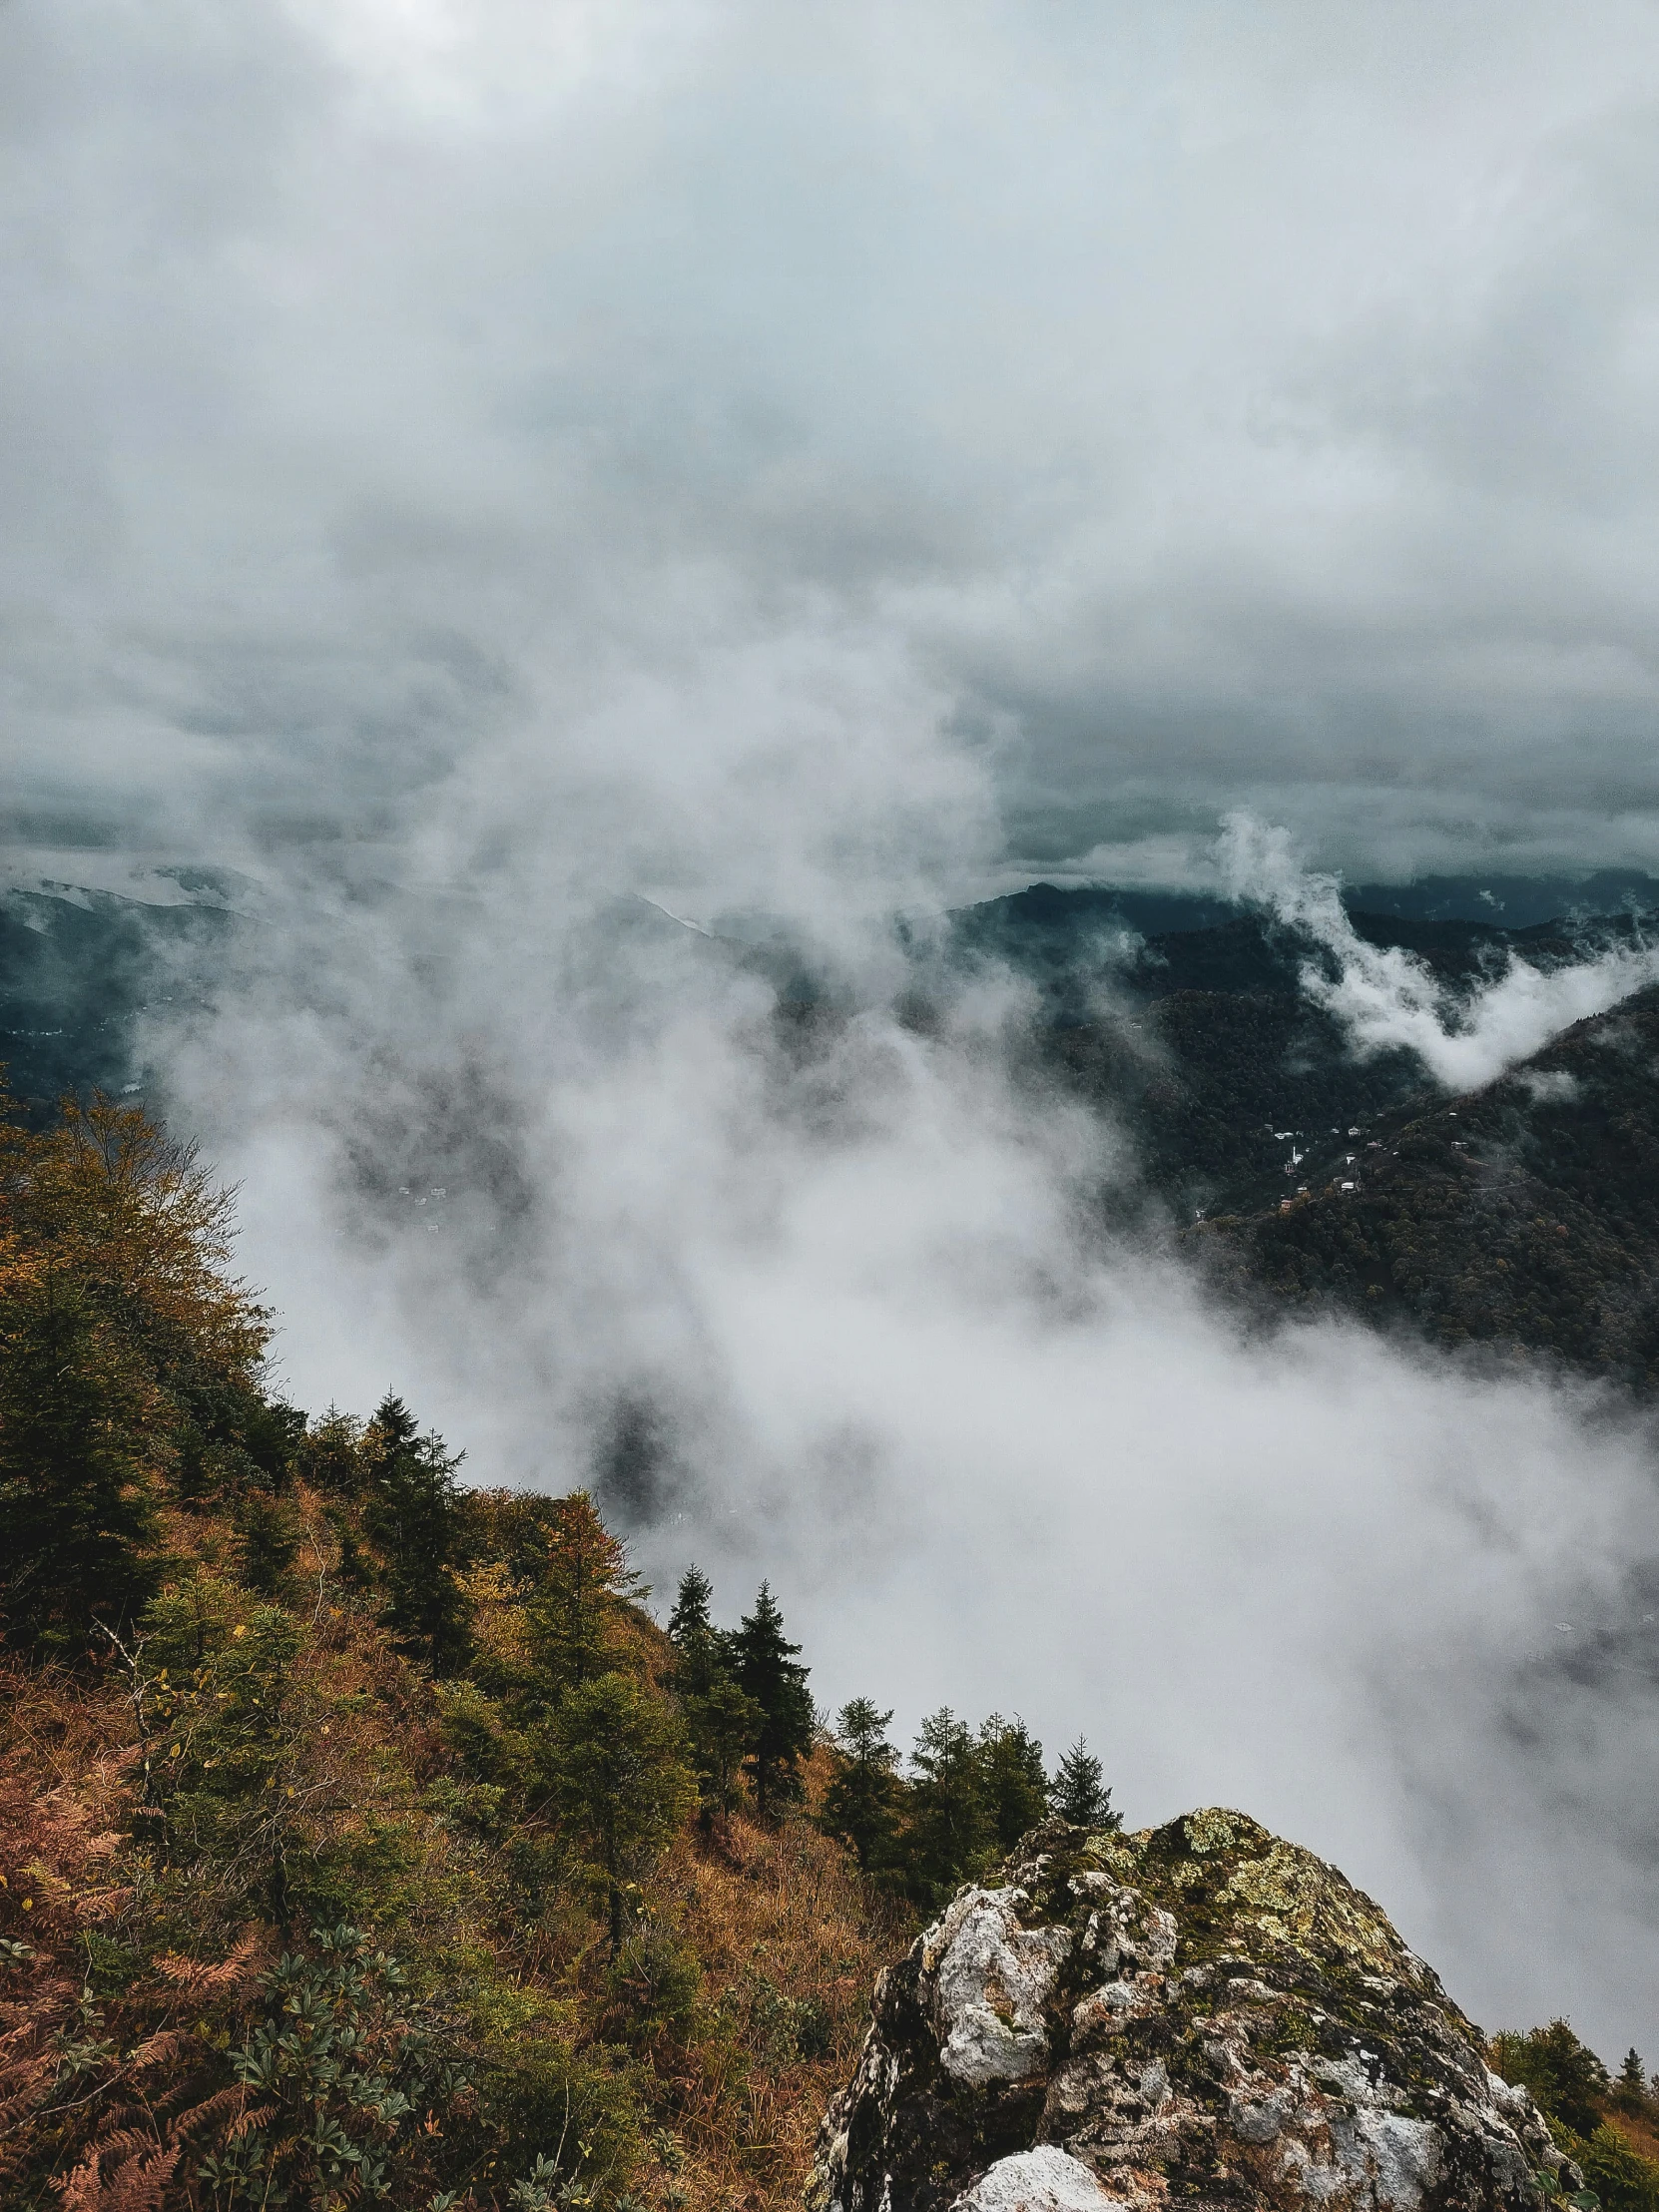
pixel 1200 2012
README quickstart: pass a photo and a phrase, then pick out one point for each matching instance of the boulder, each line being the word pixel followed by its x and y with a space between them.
pixel 1200 2014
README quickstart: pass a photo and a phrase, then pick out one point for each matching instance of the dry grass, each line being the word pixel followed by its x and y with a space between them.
pixel 788 1939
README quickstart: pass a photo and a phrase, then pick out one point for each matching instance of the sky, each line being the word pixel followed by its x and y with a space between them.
pixel 471 468
pixel 1165 408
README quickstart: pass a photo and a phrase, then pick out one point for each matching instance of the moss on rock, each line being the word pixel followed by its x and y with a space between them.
pixel 1224 2020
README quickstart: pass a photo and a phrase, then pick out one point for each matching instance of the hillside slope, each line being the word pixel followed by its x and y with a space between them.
pixel 1523 1217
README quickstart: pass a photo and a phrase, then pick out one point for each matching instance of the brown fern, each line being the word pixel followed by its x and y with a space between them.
pixel 195 1977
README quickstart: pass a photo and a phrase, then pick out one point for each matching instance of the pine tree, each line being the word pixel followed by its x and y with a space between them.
pixel 267 1541
pixel 948 1834
pixel 1012 1779
pixel 861 1804
pixel 76 1497
pixel 1565 2076
pixel 415 1515
pixel 721 1725
pixel 764 1668
pixel 1078 1793
pixel 583 1583
pixel 700 1657
pixel 619 1779
pixel 1630 2090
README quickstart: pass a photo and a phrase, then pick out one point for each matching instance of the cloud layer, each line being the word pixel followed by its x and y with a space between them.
pixel 1197 410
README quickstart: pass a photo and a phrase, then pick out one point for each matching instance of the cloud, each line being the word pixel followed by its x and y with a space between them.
pixel 820 1296
pixel 1210 413
pixel 1386 997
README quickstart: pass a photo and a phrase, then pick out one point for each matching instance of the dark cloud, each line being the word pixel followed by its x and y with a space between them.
pixel 1203 410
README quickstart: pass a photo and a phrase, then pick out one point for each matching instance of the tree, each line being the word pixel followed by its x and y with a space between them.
pixel 1078 1793
pixel 267 1541
pixel 110 1199
pixel 861 1804
pixel 1564 2075
pixel 764 1668
pixel 1012 1780
pixel 77 1494
pixel 698 1647
pixel 721 1723
pixel 619 1779
pixel 1630 2090
pixel 948 1834
pixel 583 1581
pixel 414 1514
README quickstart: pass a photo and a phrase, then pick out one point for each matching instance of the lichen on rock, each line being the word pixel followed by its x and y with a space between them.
pixel 1198 2012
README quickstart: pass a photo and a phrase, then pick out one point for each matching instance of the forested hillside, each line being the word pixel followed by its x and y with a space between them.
pixel 1523 1217
pixel 363 1837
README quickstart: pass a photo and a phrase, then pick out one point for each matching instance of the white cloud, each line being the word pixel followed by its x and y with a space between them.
pixel 1386 997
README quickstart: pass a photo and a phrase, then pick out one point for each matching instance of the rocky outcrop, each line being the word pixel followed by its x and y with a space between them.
pixel 1201 2013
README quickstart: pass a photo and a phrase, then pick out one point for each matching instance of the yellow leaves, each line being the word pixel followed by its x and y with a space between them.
pixel 110 1199
pixel 241 1629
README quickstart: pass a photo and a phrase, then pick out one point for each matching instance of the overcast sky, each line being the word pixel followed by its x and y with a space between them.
pixel 1138 409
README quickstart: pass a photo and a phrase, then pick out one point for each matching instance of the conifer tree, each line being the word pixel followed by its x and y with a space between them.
pixel 698 1645
pixel 76 1498
pixel 1078 1793
pixel 415 1515
pixel 766 1669
pixel 583 1583
pixel 267 1541
pixel 1012 1779
pixel 1630 2090
pixel 948 1834
pixel 722 1722
pixel 619 1779
pixel 861 1804
pixel 721 1725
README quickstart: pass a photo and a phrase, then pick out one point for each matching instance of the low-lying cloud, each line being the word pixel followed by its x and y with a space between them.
pixel 824 1299
pixel 1386 997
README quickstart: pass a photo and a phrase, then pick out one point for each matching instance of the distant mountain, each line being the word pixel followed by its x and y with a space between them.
pixel 78 968
pixel 1523 1217
pixel 1203 1038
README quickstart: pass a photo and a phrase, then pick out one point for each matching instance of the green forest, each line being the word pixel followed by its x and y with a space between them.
pixel 366 1837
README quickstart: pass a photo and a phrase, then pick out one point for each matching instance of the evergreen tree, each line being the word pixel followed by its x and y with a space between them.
pixel 766 1669
pixel 721 1725
pixel 1078 1792
pixel 948 1834
pixel 415 1515
pixel 583 1584
pixel 722 1722
pixel 1012 1779
pixel 267 1541
pixel 861 1804
pixel 1630 2090
pixel 698 1647
pixel 1566 2078
pixel 619 1779
pixel 75 1497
